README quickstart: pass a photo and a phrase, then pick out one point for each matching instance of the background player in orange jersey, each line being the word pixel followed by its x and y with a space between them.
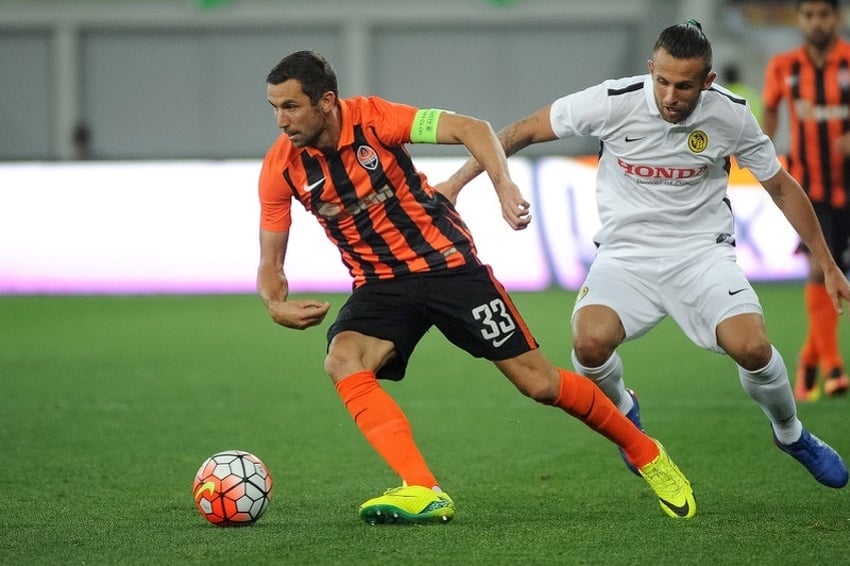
pixel 414 266
pixel 814 82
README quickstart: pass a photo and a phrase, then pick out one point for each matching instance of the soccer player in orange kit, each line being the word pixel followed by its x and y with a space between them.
pixel 814 81
pixel 414 265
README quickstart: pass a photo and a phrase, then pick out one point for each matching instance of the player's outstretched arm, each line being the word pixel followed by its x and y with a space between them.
pixel 535 128
pixel 274 289
pixel 482 143
pixel 797 208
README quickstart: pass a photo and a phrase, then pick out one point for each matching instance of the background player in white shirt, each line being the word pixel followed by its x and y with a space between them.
pixel 665 246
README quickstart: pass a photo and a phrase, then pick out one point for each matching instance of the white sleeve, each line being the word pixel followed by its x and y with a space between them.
pixel 582 113
pixel 756 151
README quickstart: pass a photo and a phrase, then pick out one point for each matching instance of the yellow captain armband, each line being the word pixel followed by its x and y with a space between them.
pixel 424 128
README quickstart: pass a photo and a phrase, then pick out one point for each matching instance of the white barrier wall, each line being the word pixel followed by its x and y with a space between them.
pixel 191 227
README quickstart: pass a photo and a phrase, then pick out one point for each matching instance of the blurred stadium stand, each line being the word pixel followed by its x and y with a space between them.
pixel 184 79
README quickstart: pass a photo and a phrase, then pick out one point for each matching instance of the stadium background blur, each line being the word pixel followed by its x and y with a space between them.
pixel 137 87
pixel 167 79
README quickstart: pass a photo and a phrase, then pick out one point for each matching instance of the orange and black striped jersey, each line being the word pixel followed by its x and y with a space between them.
pixel 818 102
pixel 375 206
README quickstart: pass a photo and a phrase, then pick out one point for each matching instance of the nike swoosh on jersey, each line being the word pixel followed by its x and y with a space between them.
pixel 499 341
pixel 631 139
pixel 311 186
pixel 731 292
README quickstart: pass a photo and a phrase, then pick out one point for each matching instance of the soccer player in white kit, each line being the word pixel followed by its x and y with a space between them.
pixel 665 246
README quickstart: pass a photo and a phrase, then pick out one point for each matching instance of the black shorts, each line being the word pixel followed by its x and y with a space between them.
pixel 835 223
pixel 468 305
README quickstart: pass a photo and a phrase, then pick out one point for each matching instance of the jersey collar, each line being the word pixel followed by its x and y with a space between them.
pixel 346 132
pixel 649 95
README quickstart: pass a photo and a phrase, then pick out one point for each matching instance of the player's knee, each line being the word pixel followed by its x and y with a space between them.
pixel 592 351
pixel 335 366
pixel 350 352
pixel 753 354
pixel 341 362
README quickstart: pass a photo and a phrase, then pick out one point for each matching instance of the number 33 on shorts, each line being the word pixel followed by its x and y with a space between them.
pixel 497 325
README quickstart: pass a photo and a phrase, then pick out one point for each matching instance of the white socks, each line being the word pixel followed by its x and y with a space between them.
pixel 770 388
pixel 609 378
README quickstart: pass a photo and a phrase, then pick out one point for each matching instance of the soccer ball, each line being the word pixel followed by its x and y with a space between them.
pixel 232 488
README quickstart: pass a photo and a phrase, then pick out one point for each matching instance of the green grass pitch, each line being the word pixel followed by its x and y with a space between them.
pixel 109 404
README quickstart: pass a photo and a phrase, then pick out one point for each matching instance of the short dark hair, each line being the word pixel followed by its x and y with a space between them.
pixel 686 41
pixel 309 68
pixel 833 3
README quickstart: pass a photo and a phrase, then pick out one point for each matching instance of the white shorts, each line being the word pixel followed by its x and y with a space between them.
pixel 698 293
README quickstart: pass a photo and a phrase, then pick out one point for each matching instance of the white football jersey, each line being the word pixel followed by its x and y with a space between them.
pixel 661 187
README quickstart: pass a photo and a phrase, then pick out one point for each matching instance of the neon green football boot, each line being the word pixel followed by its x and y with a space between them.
pixel 674 491
pixel 408 505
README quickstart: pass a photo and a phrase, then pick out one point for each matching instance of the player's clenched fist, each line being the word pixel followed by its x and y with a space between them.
pixel 298 314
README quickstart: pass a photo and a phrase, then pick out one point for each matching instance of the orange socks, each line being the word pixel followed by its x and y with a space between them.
pixel 384 425
pixel 822 339
pixel 581 398
pixel 386 428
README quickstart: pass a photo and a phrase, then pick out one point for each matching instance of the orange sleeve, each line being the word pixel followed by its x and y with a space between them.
pixel 391 120
pixel 275 194
pixel 773 79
